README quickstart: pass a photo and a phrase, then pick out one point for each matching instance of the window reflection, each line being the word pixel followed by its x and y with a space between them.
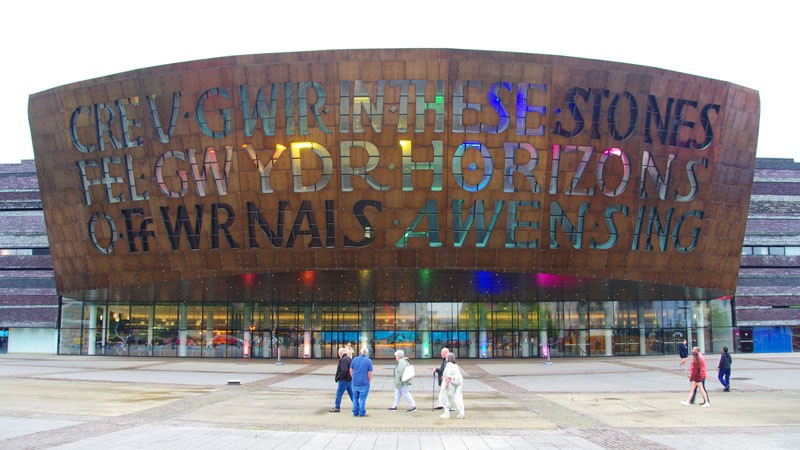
pixel 487 328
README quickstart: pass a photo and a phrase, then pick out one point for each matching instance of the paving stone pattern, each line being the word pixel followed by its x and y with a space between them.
pixel 54 402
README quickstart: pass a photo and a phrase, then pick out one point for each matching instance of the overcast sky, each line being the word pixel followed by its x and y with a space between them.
pixel 46 44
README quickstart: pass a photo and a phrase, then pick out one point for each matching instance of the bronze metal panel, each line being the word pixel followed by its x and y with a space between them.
pixel 458 161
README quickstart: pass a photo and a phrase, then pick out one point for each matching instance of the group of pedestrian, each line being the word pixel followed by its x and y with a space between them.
pixel 354 376
pixel 698 373
pixel 450 383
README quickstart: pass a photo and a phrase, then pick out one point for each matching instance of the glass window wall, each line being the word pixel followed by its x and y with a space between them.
pixel 488 329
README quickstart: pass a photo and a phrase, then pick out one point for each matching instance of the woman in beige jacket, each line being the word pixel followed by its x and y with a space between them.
pixel 452 383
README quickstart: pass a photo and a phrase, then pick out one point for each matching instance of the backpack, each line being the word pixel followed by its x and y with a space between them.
pixel 408 373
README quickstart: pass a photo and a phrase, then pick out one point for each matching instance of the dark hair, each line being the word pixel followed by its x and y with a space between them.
pixel 725 349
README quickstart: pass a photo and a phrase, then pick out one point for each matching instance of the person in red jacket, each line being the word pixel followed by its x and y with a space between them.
pixel 696 377
pixel 703 372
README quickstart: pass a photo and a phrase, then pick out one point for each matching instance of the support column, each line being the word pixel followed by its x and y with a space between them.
pixel 426 344
pixel 247 345
pixel 687 309
pixel 473 325
pixel 266 339
pixel 183 333
pixel 543 339
pixel 583 338
pixel 642 341
pixel 209 328
pixel 104 334
pixel 316 341
pixel 151 323
pixel 608 309
pixel 640 321
pixel 543 326
pixel 266 345
pixel 307 311
pixel 424 314
pixel 700 324
pixel 91 340
pixel 366 329
pixel 484 345
pixel 523 336
pixel 526 344
pixel 582 333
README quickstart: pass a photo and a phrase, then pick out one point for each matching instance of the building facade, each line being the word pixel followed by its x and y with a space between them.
pixel 765 302
pixel 499 204
pixel 28 298
pixel 768 294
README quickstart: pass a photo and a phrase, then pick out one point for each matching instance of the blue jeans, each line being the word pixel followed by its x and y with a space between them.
pixel 360 400
pixel 344 386
pixel 725 377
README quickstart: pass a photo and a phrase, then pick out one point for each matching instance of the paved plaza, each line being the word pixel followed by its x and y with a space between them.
pixel 80 402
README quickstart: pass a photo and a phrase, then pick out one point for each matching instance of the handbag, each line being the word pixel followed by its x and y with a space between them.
pixel 408 373
pixel 457 379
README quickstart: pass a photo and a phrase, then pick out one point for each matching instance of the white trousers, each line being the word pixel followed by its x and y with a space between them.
pixel 405 392
pixel 442 396
pixel 453 397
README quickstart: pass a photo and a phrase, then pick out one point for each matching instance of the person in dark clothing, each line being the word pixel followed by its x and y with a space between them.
pixel 683 352
pixel 440 372
pixel 343 379
pixel 724 369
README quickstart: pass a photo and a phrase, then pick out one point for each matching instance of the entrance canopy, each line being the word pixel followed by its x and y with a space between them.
pixel 424 285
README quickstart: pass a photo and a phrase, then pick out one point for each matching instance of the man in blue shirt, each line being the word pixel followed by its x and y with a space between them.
pixel 361 372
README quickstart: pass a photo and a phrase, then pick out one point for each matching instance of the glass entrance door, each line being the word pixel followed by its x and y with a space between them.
pixel 286 342
pixel 504 344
